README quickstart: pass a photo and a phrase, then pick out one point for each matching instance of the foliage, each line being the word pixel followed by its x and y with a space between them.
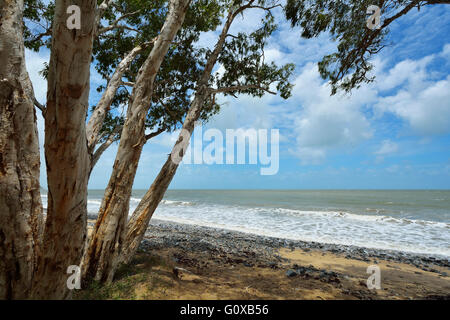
pixel 136 23
pixel 37 23
pixel 345 21
pixel 244 62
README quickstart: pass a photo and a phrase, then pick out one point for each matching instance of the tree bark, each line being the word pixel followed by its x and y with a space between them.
pixel 98 116
pixel 101 258
pixel 141 216
pixel 66 149
pixel 20 200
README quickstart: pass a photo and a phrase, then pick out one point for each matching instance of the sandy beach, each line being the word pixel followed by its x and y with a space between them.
pixel 179 261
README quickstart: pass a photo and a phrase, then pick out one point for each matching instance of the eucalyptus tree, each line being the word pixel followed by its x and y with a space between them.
pixel 346 22
pixel 242 56
pixel 158 102
pixel 162 70
pixel 245 72
pixel 67 147
pixel 175 79
pixel 20 200
pixel 125 36
pixel 66 152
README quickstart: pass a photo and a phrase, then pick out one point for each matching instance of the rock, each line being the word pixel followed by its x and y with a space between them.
pixel 180 272
pixel 434 270
pixel 301 270
pixel 291 273
pixel 329 276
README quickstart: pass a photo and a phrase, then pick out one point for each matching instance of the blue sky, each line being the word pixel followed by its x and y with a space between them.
pixel 391 134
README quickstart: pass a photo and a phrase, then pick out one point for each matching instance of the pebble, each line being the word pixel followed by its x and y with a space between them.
pixel 291 273
pixel 163 234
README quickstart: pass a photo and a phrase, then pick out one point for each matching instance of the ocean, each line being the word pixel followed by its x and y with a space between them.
pixel 408 220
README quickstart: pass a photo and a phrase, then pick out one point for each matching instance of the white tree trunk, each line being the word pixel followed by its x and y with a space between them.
pixel 66 148
pixel 101 258
pixel 140 219
pixel 98 116
pixel 141 216
pixel 20 200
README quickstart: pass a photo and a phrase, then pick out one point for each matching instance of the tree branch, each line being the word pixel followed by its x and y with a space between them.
pixel 370 36
pixel 48 32
pixel 104 146
pixel 154 134
pixel 96 121
pixel 100 12
pixel 39 106
pixel 437 2
pixel 127 83
pixel 115 24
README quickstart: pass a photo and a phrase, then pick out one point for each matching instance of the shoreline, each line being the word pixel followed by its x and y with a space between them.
pixel 160 231
pixel 182 261
pixel 163 228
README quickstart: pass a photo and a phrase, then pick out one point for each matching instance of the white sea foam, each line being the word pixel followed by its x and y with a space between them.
pixel 177 203
pixel 370 228
pixel 374 231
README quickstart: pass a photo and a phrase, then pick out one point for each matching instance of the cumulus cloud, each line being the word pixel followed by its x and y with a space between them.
pixel 387 147
pixel 324 122
pixel 422 101
pixel 446 51
pixel 409 90
pixel 35 63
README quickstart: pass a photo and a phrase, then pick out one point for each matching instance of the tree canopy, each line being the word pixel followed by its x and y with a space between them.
pixel 127 24
pixel 345 21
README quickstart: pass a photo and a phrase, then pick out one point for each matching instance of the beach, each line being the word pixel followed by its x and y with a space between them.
pixel 416 221
pixel 183 261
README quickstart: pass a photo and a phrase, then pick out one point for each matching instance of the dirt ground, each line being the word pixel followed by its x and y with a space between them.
pixel 203 276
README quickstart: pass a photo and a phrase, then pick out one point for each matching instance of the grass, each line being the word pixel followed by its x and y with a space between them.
pixel 145 276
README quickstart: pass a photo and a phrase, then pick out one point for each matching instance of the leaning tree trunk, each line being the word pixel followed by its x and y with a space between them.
pixel 101 258
pixel 141 216
pixel 95 123
pixel 20 200
pixel 66 148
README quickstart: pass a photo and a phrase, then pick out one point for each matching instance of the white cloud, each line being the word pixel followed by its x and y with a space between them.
pixel 408 71
pixel 387 147
pixel 165 139
pixel 35 63
pixel 323 122
pixel 446 51
pixel 423 104
pixel 326 122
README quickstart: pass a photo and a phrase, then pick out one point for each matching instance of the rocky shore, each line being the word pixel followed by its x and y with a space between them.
pixel 257 249
pixel 181 261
